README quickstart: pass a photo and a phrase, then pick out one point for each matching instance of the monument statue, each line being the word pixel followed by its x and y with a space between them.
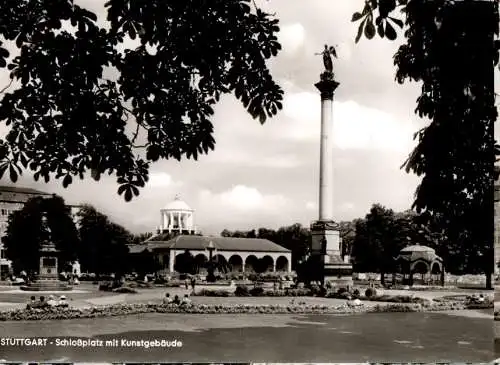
pixel 46 232
pixel 48 274
pixel 327 54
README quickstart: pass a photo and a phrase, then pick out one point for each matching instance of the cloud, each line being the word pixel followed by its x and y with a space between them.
pixel 291 37
pixel 161 180
pixel 347 206
pixel 354 126
pixel 251 158
pixel 311 206
pixel 244 198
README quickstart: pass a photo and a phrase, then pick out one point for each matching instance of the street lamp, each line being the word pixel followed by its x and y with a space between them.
pixel 210 248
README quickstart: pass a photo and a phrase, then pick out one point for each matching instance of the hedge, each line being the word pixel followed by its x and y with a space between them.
pixel 131 309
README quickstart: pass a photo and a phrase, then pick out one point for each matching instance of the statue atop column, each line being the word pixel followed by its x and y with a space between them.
pixel 327 54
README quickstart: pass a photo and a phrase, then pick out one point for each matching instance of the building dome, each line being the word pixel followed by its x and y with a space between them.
pixel 178 205
pixel 417 248
pixel 416 252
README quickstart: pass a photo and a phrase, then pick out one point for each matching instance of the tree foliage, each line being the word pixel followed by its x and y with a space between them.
pixel 140 238
pixel 185 263
pixel 103 243
pixel 70 116
pixel 25 234
pixel 451 49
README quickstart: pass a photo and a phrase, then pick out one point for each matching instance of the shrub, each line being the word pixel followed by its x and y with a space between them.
pixel 356 293
pixel 257 291
pixel 370 292
pixel 160 280
pixel 134 309
pixel 275 293
pixel 298 292
pixel 173 284
pixel 213 293
pixel 342 290
pixel 242 291
pixel 345 295
pixel 109 285
pixel 484 305
pixel 125 290
pixel 143 284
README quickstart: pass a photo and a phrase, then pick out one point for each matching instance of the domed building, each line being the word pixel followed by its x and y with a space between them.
pixel 417 259
pixel 177 217
pixel 177 234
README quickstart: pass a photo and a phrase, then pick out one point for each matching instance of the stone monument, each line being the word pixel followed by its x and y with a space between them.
pixel 325 245
pixel 48 273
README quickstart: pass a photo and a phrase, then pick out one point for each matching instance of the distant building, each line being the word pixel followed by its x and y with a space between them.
pixel 176 217
pixel 13 198
pixel 178 234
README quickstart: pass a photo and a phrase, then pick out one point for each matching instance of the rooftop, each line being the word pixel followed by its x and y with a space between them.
pixel 178 205
pixel 191 242
pixel 21 190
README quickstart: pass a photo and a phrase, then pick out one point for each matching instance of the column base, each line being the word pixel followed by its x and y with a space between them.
pixel 326 243
pixel 337 272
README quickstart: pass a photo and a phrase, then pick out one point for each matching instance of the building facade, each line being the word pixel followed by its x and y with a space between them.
pixel 13 198
pixel 177 234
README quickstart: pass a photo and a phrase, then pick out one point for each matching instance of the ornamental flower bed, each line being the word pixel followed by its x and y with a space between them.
pixel 131 309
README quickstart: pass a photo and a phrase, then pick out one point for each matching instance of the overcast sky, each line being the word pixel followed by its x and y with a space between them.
pixel 267 176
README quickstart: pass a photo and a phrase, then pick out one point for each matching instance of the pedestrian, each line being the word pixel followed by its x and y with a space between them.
pixel 52 301
pixel 167 299
pixel 193 282
pixel 32 303
pixel 42 303
pixel 186 283
pixel 177 300
pixel 62 302
pixel 186 301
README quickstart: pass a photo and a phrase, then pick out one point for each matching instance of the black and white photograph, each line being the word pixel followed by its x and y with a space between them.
pixel 238 181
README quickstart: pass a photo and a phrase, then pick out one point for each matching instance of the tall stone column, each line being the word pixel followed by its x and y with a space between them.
pixel 325 253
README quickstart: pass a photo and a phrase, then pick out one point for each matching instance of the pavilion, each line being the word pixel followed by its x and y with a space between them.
pixel 177 234
pixel 417 259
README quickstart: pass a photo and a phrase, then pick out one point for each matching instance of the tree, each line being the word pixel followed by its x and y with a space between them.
pixel 140 238
pixel 24 233
pixel 347 234
pixel 68 117
pixel 451 49
pixel 103 243
pixel 377 241
pixel 185 263
pixel 297 239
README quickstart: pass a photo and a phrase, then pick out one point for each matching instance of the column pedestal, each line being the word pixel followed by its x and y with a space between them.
pixel 326 254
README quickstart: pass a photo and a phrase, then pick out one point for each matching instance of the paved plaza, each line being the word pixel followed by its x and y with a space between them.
pixel 386 337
